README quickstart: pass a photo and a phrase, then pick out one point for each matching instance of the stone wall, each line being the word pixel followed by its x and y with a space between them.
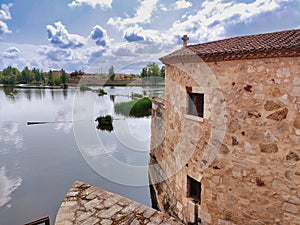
pixel 88 205
pixel 245 152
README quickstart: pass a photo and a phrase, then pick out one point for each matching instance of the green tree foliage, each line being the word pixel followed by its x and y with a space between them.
pixel 50 78
pixel 144 72
pixel 153 70
pixel 10 71
pixel 37 75
pixel 63 76
pixel 27 76
pixel 56 80
pixel 162 71
pixel 11 76
pixel 111 73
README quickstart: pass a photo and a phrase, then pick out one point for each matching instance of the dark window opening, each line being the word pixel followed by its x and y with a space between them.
pixel 194 189
pixel 196 104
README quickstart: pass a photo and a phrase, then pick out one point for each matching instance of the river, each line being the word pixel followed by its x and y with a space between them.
pixel 39 163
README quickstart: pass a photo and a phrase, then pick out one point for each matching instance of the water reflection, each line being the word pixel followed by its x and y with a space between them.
pixel 28 94
pixel 61 121
pixel 40 159
pixel 112 98
pixel 7 186
pixel 9 134
pixel 10 93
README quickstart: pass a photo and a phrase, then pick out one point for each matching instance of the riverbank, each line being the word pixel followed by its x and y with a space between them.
pixel 94 81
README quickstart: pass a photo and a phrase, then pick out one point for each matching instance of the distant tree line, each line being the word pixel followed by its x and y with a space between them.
pixel 12 76
pixel 153 70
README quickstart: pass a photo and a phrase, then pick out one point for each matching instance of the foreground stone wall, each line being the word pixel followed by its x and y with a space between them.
pixel 245 152
pixel 88 205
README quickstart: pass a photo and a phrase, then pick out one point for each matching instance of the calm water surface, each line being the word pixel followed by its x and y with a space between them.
pixel 39 163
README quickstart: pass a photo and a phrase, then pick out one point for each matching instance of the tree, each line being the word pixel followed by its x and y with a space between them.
pixel 63 76
pixel 144 72
pixel 162 71
pixel 27 75
pixel 50 78
pixel 56 80
pixel 111 73
pixel 153 69
pixel 37 74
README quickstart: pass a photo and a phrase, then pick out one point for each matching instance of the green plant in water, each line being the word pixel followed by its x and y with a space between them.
pixel 84 88
pixel 101 92
pixel 105 123
pixel 137 108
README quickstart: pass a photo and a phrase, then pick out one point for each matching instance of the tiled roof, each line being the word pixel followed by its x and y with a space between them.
pixel 276 44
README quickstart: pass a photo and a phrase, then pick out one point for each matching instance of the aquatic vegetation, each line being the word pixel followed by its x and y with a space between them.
pixel 101 92
pixel 137 108
pixel 105 123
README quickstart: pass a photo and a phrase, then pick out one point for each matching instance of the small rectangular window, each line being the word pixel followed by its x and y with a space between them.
pixel 194 189
pixel 196 104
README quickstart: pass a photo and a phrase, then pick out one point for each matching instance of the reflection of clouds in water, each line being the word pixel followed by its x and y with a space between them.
pixel 101 150
pixel 134 133
pixel 7 186
pixel 64 122
pixel 8 134
pixel 140 129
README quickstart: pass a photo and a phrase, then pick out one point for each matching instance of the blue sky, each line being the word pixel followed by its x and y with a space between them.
pixel 92 35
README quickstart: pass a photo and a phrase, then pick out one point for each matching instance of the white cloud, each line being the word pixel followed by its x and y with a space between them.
pixel 4 15
pixel 4 12
pixel 143 14
pixel 147 36
pixel 99 35
pixel 163 7
pixel 209 23
pixel 11 52
pixel 93 3
pixel 182 4
pixel 55 54
pixel 4 28
pixel 59 36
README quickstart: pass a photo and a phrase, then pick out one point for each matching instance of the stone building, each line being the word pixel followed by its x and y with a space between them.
pixel 226 136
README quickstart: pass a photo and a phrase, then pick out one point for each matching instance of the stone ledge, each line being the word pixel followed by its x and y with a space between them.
pixel 85 204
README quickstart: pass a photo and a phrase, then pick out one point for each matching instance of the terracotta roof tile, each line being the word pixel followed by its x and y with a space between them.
pixel 276 44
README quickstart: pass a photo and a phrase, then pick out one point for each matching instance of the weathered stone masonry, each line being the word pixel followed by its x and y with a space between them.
pixel 255 176
pixel 88 205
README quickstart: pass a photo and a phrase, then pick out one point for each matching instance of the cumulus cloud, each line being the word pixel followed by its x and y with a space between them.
pixel 4 12
pixel 93 3
pixel 55 54
pixel 143 14
pixel 4 15
pixel 210 21
pixel 182 4
pixel 99 35
pixel 11 52
pixel 139 34
pixel 59 36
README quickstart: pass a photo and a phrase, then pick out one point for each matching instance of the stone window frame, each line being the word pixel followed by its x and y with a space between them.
pixel 190 189
pixel 194 90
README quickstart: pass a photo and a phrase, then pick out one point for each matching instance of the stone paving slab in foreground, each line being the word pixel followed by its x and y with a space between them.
pixel 88 205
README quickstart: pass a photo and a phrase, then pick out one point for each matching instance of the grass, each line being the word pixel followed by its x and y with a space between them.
pixel 137 108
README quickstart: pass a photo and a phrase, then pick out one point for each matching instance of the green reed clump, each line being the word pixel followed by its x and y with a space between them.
pixel 137 108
